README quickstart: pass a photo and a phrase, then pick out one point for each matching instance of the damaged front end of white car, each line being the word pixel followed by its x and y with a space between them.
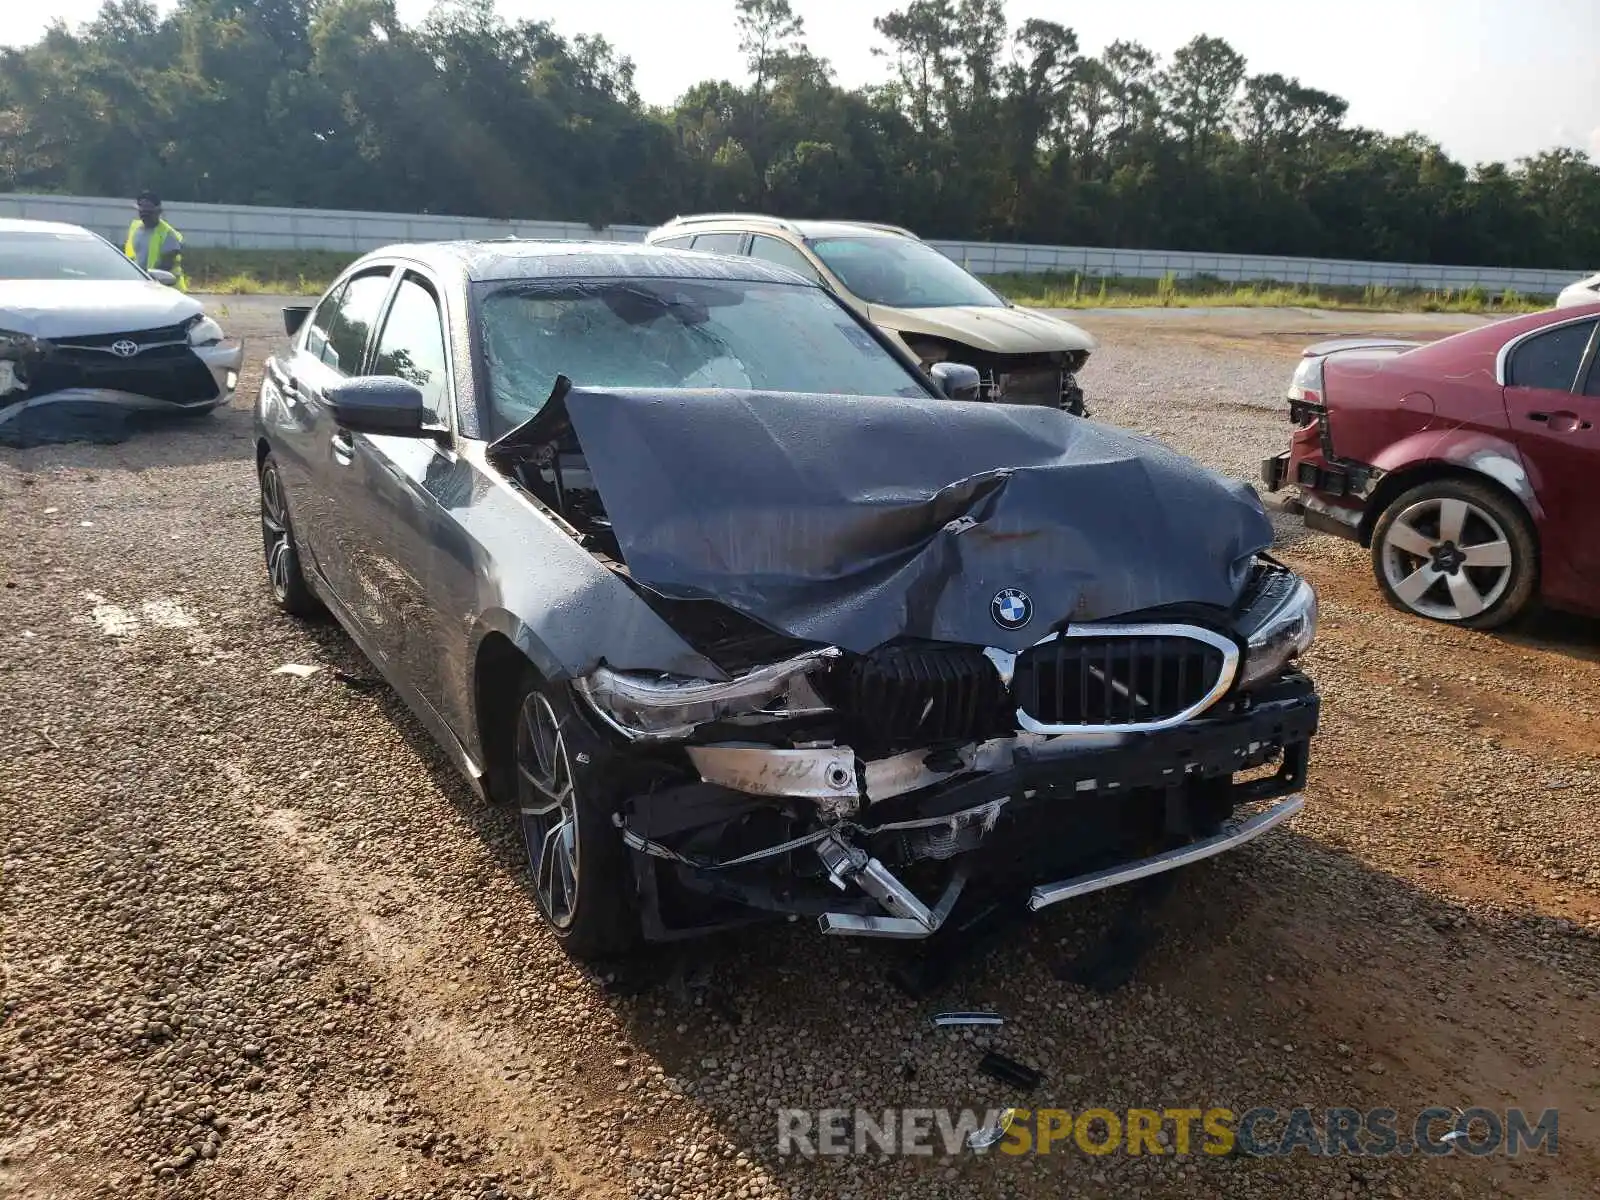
pixel 71 375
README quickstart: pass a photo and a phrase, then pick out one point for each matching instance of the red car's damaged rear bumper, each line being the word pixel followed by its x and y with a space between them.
pixel 1308 481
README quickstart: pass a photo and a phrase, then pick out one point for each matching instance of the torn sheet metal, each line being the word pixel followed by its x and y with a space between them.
pixel 97 415
pixel 852 520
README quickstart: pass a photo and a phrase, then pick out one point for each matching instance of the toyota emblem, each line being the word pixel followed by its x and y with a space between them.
pixel 126 348
pixel 1011 609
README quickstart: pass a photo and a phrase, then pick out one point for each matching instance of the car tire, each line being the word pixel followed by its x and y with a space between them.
pixel 290 591
pixel 565 785
pixel 1458 552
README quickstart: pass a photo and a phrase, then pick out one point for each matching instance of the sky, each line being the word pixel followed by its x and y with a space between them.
pixel 1487 79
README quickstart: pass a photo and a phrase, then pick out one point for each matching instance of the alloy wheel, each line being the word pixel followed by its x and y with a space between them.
pixel 548 799
pixel 1447 558
pixel 275 536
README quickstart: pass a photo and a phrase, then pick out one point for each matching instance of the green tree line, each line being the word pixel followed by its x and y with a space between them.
pixel 977 130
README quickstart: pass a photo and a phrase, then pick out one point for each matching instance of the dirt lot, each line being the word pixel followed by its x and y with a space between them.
pixel 261 942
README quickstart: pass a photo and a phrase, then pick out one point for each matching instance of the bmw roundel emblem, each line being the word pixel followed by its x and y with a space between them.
pixel 1011 609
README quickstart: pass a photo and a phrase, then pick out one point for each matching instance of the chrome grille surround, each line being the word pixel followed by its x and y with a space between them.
pixel 1015 671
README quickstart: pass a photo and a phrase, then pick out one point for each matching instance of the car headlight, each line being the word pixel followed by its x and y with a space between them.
pixel 1280 629
pixel 203 331
pixel 655 708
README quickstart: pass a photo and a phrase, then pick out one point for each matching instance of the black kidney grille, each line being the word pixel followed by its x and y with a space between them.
pixel 1114 680
pixel 912 695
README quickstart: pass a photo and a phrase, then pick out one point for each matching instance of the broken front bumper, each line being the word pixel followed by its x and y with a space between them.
pixel 1057 818
pixel 165 378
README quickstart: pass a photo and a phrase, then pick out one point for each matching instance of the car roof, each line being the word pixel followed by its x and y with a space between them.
pixel 513 259
pixel 761 223
pixel 20 225
pixel 826 229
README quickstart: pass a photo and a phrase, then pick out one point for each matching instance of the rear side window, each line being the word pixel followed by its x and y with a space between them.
pixel 351 322
pixel 1550 360
pixel 412 344
pixel 771 250
pixel 719 243
pixel 674 243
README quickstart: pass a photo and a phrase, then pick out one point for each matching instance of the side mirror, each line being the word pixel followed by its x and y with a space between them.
pixel 956 380
pixel 295 316
pixel 381 404
pixel 164 277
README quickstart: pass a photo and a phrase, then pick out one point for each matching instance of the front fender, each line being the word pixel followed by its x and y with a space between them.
pixel 658 650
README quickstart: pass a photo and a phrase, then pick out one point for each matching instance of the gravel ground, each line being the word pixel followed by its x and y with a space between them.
pixel 261 942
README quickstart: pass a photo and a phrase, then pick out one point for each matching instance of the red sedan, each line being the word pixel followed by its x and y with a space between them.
pixel 1469 465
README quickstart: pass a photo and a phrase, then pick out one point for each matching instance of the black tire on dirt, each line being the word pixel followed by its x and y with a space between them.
pixel 290 591
pixel 1456 551
pixel 564 770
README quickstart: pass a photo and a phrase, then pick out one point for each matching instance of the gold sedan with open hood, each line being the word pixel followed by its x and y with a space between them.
pixel 915 295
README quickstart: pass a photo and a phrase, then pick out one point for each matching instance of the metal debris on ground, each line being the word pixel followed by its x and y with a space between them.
pixel 968 1018
pixel 990 1135
pixel 1009 1070
pixel 298 670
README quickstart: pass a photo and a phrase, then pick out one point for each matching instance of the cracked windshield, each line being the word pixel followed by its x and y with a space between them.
pixel 678 334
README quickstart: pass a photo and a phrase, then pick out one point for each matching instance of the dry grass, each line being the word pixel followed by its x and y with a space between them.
pixel 1052 290
pixel 252 272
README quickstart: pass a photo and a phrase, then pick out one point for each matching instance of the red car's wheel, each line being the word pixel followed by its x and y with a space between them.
pixel 1456 551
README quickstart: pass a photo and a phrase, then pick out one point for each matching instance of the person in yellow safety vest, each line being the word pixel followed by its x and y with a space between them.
pixel 152 243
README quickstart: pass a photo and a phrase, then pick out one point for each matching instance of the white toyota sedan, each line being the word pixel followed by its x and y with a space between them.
pixel 88 338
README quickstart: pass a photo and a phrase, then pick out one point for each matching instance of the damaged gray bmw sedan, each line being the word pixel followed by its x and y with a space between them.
pixel 749 617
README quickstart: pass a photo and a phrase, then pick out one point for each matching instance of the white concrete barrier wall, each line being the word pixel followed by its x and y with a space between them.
pixel 245 227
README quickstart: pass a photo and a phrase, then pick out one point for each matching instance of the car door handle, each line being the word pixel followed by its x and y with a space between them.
pixel 344 447
pixel 1561 422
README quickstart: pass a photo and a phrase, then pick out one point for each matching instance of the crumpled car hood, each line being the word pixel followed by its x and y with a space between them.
pixel 57 308
pixel 853 520
pixel 993 330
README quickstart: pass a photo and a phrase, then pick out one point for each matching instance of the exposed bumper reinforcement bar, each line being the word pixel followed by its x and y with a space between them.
pixel 1231 836
pixel 923 921
pixel 908 917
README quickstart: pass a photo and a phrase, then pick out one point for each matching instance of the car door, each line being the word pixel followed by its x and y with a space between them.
pixel 292 428
pixel 393 495
pixel 1557 429
pixel 331 352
